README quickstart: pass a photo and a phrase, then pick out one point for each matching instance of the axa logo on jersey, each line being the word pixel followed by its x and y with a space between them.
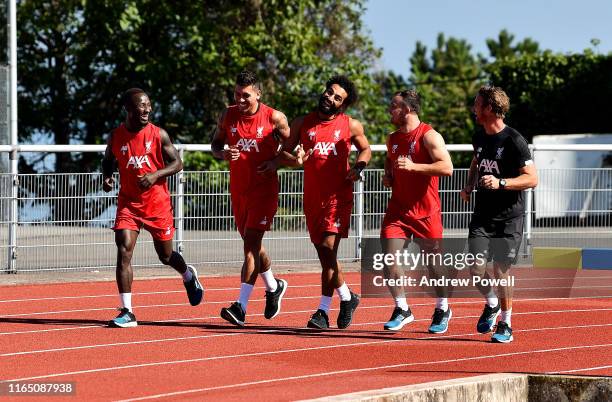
pixel 246 144
pixel 137 162
pixel 489 166
pixel 324 148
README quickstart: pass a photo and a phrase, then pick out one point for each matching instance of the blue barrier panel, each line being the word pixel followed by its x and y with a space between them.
pixel 597 258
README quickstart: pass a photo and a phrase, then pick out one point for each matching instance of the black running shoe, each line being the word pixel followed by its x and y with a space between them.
pixel 194 288
pixel 273 299
pixel 487 319
pixel 234 314
pixel 347 308
pixel 319 320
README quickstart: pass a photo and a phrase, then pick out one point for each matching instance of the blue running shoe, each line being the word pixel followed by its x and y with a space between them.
pixel 486 322
pixel 398 319
pixel 125 319
pixel 195 291
pixel 503 333
pixel 439 321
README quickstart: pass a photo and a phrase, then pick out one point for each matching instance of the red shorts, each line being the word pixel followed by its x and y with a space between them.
pixel 332 218
pixel 254 211
pixel 396 226
pixel 161 227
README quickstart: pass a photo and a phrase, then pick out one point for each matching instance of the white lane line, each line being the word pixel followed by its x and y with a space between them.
pixel 230 301
pixel 331 373
pixel 206 289
pixel 318 285
pixel 581 370
pixel 282 351
pixel 251 332
pixel 297 297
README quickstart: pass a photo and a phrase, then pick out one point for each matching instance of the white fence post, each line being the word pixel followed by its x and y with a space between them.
pixel 180 210
pixel 13 214
pixel 359 214
pixel 528 214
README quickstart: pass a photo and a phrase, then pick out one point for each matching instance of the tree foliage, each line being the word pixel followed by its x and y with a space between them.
pixel 556 93
pixel 447 79
pixel 77 56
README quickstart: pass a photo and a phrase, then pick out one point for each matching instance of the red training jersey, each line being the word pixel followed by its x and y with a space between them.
pixel 253 135
pixel 139 153
pixel 414 195
pixel 326 168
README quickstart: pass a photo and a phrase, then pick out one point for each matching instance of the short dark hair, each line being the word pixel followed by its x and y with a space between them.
pixel 497 98
pixel 411 98
pixel 246 78
pixel 126 98
pixel 345 83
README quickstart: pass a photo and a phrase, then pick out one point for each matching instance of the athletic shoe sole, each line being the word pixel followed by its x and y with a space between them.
pixel 450 315
pixel 492 326
pixel 495 340
pixel 130 324
pixel 280 298
pixel 405 321
pixel 228 316
pixel 314 326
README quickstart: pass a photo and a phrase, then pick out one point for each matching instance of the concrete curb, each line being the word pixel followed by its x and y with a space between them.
pixel 506 387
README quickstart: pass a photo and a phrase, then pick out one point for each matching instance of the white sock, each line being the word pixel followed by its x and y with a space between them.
pixel 269 280
pixel 187 275
pixel 325 303
pixel 344 292
pixel 492 299
pixel 401 303
pixel 442 303
pixel 506 317
pixel 245 294
pixel 126 300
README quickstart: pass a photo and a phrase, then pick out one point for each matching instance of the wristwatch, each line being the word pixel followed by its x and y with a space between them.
pixel 502 184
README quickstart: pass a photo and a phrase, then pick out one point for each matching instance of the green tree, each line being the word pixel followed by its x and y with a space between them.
pixel 502 48
pixel 77 56
pixel 447 80
pixel 556 93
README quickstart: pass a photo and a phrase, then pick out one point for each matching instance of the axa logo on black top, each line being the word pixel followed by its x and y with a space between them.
pixel 489 166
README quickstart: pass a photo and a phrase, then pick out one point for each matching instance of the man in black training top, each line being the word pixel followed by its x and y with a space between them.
pixel 501 169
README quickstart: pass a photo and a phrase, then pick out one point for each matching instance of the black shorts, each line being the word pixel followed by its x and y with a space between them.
pixel 499 240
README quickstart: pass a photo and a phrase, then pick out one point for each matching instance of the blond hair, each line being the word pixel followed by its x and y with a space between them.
pixel 497 98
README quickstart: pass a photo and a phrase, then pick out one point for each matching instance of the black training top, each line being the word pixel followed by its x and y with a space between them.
pixel 500 155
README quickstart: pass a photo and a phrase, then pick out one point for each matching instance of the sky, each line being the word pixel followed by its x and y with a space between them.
pixel 560 25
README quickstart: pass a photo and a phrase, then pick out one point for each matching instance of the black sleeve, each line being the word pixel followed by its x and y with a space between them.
pixel 523 154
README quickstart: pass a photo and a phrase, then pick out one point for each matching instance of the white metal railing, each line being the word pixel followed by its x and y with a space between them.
pixel 61 221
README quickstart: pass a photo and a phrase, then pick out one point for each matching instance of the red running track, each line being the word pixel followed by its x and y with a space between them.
pixel 58 333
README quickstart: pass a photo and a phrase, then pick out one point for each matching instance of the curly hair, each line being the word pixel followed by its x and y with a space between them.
pixel 345 83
